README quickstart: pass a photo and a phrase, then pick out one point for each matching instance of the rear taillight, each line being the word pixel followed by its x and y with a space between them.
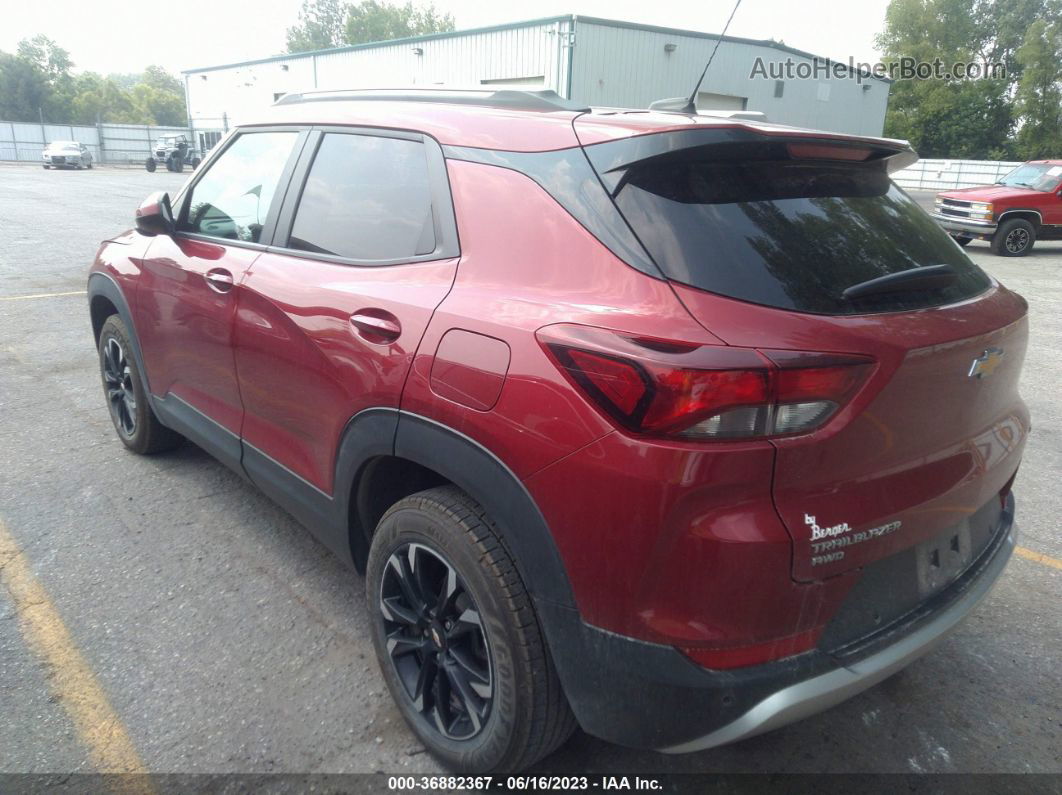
pixel 662 387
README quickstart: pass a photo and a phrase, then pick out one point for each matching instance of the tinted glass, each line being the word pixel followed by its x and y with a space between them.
pixel 233 198
pixel 789 234
pixel 366 198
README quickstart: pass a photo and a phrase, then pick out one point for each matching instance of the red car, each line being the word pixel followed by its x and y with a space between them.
pixel 1023 207
pixel 676 428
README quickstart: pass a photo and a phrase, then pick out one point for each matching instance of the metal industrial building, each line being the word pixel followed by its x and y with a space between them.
pixel 599 62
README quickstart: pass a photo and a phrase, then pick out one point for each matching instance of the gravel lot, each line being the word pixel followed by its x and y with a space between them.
pixel 227 640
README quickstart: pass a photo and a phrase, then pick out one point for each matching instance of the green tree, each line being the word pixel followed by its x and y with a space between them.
pixel 54 64
pixel 159 106
pixel 370 21
pixel 24 89
pixel 961 118
pixel 40 80
pixel 333 23
pixel 321 25
pixel 99 98
pixel 1003 26
pixel 1038 102
pixel 49 57
pixel 124 80
pixel 157 77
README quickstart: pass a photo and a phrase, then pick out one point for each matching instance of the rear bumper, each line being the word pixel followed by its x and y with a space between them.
pixel 650 696
pixel 965 226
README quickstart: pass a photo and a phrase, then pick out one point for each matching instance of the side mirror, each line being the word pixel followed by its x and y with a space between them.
pixel 154 216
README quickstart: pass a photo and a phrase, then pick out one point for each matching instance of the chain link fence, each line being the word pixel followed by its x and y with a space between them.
pixel 112 144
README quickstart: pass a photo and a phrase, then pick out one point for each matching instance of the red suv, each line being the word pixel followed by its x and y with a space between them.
pixel 674 427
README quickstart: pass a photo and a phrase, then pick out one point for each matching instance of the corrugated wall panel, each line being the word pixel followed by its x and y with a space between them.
pixel 459 60
pixel 611 66
pixel 519 52
pixel 628 67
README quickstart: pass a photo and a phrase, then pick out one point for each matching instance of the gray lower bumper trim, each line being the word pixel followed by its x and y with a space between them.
pixel 822 692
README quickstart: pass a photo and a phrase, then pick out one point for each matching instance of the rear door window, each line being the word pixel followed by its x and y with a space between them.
pixel 789 234
pixel 366 198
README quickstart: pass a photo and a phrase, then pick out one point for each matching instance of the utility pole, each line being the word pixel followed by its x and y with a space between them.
pixel 99 137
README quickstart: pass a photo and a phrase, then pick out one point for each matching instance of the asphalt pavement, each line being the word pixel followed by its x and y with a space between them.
pixel 161 613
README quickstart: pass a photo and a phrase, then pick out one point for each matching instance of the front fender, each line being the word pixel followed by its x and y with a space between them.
pixel 102 287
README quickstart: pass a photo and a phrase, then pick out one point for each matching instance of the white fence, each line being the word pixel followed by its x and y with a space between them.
pixel 109 143
pixel 951 174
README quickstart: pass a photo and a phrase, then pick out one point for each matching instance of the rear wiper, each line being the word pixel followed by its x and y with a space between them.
pixel 927 278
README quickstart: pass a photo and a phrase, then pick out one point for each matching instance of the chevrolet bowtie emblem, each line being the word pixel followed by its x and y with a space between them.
pixel 986 363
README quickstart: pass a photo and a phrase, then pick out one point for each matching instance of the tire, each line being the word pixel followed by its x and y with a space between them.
pixel 1014 238
pixel 123 388
pixel 149 164
pixel 962 241
pixel 487 624
pixel 45 166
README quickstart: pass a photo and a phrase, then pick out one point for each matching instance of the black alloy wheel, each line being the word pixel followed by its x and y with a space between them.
pixel 118 381
pixel 1017 241
pixel 458 639
pixel 1014 238
pixel 127 400
pixel 436 641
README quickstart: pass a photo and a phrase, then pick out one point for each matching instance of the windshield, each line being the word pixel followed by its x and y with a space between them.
pixel 790 234
pixel 1038 176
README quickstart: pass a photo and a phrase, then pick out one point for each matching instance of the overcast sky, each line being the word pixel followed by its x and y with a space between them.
pixel 127 35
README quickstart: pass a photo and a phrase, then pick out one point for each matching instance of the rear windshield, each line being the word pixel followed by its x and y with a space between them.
pixel 789 234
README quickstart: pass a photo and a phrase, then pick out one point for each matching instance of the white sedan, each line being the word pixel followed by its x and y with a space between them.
pixel 67 154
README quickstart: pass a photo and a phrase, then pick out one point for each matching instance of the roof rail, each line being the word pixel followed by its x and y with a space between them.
pixel 515 99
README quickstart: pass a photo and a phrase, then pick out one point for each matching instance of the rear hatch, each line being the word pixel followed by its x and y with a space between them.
pixel 761 234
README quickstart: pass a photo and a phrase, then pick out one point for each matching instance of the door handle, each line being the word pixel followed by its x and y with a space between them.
pixel 219 280
pixel 376 326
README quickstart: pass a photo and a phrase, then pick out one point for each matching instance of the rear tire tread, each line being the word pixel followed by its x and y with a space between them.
pixel 999 239
pixel 552 721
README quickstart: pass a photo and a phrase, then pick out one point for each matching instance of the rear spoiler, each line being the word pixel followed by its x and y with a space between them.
pixel 788 143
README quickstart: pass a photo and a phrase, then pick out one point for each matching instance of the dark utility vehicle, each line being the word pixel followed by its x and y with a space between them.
pixel 174 152
pixel 674 427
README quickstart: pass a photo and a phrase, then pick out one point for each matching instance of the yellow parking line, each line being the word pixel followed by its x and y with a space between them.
pixel 39 295
pixel 72 681
pixel 1038 557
